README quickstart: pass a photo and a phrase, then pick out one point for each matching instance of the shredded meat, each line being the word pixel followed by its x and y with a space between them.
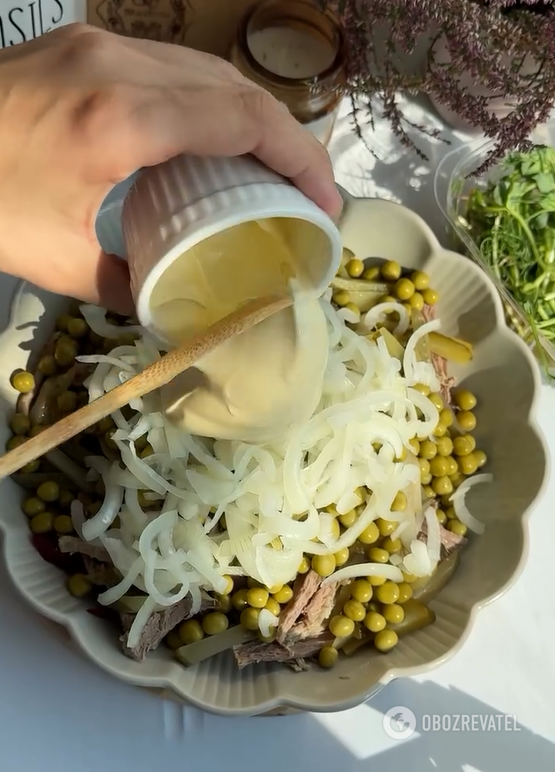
pixel 304 590
pixel 158 626
pixel 100 573
pixel 315 614
pixel 449 540
pixel 73 544
pixel 439 363
pixel 255 651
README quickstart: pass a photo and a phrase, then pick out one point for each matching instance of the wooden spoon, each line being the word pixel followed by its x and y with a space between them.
pixel 153 377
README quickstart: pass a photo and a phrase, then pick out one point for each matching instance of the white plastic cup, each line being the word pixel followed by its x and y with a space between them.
pixel 161 212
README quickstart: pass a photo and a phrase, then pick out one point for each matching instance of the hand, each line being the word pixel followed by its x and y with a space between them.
pixel 81 109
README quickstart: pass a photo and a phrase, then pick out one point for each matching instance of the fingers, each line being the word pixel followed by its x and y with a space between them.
pixel 111 289
pixel 234 120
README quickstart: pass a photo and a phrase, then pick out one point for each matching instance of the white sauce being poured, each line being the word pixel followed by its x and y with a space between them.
pixel 258 385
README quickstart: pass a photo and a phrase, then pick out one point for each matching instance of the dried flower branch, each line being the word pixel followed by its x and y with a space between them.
pixel 507 47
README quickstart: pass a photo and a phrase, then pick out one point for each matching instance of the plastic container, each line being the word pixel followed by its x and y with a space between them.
pixel 155 216
pixel 454 179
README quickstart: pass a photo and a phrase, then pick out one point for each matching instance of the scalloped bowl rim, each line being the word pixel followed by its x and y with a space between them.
pixel 75 623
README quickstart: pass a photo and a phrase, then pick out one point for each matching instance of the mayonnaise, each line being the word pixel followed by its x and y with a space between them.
pixel 257 385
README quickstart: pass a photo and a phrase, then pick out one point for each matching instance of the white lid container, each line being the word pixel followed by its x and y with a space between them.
pixel 157 215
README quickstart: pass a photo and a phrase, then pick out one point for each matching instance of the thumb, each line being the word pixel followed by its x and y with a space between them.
pixel 111 289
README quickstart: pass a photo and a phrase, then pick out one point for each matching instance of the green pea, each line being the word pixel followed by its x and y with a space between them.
pixel 304 566
pixel 405 592
pixel 77 328
pixel 341 298
pixel 481 458
pixel 31 467
pixel 48 491
pixel 327 656
pixel 386 527
pixel 33 506
pixel 354 609
pixel 65 499
pixel 456 527
pixel 370 534
pixel 23 381
pixel 65 351
pixel 355 268
pixel 374 621
pixel 399 503
pixel 428 449
pixel 466 420
pixel 444 446
pixel 239 600
pixel 416 301
pixel 387 593
pixel 341 557
pixel 348 519
pixel 47 365
pixel 393 613
pixel 42 523
pixel 404 289
pixel 257 597
pixel 463 445
pixel 446 416
pixel 390 270
pixel 284 595
pixel 442 486
pixel 361 590
pixel 385 640
pixel 420 280
pixel 392 546
pixel 79 585
pixel 15 442
pixel 273 606
pixel 20 424
pixel 190 631
pixel 215 623
pixel 249 618
pixel 430 297
pixel 378 555
pixel 341 626
pixel 324 565
pixel 63 524
pixel 465 399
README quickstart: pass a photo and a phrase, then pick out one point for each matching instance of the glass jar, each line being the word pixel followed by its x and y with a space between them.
pixel 296 52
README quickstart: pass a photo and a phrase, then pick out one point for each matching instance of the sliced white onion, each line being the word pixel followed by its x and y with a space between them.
pixel 365 569
pixel 378 314
pixel 410 363
pixel 107 513
pixel 140 620
pixel 267 622
pixel 418 560
pixel 269 496
pixel 77 512
pixel 95 317
pixel 459 504
pixel 349 315
pixel 433 542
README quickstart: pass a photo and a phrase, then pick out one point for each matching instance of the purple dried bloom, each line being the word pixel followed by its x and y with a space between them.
pixel 494 41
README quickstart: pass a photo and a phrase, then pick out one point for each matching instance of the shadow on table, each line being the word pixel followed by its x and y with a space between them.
pixel 388 169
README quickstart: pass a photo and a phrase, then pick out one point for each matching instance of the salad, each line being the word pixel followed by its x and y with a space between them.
pixel 302 551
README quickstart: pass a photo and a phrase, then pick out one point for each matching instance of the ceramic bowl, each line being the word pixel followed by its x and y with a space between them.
pixel 506 380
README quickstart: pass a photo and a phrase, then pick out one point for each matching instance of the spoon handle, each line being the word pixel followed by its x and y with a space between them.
pixel 152 377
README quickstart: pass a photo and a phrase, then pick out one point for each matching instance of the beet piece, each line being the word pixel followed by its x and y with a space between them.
pixel 47 547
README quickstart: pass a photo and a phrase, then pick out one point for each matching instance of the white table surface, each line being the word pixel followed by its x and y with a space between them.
pixel 59 712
